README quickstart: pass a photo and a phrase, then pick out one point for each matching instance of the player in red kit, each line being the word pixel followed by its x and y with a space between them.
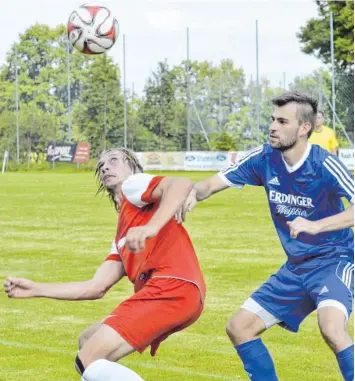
pixel 157 256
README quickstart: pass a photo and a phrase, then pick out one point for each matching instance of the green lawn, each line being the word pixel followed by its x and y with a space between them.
pixel 54 229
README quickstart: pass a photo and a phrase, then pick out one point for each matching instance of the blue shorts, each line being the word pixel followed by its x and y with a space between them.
pixel 294 292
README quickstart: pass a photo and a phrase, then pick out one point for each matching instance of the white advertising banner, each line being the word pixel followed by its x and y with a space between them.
pixel 347 157
pixel 208 161
pixel 171 161
pixel 235 156
pixel 205 161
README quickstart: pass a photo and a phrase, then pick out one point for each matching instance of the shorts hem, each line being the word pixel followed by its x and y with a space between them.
pixel 283 324
pixel 136 347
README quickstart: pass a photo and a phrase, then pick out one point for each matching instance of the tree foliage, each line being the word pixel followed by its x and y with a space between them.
pixel 315 35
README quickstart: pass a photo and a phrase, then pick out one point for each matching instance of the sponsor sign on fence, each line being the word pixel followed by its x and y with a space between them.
pixel 347 157
pixel 82 153
pixel 62 152
pixel 70 153
pixel 162 160
pixel 205 161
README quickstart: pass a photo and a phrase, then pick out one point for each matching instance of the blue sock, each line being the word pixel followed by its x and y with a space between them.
pixel 346 363
pixel 257 361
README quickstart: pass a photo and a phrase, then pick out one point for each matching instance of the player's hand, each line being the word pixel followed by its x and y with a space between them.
pixel 301 225
pixel 135 237
pixel 19 288
pixel 189 204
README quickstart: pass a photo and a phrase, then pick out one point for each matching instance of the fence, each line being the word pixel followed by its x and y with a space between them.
pixel 189 160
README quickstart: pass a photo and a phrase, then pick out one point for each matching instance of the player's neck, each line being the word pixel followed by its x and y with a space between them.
pixel 118 194
pixel 295 154
pixel 318 128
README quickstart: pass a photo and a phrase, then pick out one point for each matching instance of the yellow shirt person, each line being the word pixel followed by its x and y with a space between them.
pixel 324 136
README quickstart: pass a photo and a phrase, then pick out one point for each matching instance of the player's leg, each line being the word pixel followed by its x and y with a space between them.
pixel 163 306
pixel 105 365
pixel 244 330
pixel 279 300
pixel 333 326
pixel 87 333
pixel 96 360
pixel 249 323
pixel 333 286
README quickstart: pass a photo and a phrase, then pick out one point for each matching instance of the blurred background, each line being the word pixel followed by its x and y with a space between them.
pixel 182 76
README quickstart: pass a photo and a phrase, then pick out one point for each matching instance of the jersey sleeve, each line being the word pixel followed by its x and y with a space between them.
pixel 114 254
pixel 138 188
pixel 245 171
pixel 340 178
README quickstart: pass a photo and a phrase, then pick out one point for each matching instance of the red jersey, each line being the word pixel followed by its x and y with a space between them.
pixel 170 254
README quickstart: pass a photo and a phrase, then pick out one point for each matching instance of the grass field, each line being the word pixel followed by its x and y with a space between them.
pixel 54 229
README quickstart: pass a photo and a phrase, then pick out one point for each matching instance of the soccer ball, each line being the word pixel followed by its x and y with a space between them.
pixel 92 29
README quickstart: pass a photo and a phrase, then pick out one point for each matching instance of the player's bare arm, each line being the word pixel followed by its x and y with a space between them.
pixel 199 192
pixel 109 273
pixel 172 193
pixel 339 221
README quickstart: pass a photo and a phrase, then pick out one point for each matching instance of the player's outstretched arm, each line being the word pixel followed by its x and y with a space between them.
pixel 208 187
pixel 199 192
pixel 109 273
pixel 339 221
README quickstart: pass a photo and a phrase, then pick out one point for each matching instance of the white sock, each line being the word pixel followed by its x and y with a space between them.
pixel 104 370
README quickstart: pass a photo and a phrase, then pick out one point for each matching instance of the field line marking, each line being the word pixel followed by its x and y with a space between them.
pixel 137 363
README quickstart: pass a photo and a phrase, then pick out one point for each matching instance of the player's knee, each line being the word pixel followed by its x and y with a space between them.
pixel 231 328
pixel 82 340
pixel 243 327
pixel 236 331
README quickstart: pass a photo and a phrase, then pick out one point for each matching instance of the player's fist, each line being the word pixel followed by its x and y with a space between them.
pixel 135 237
pixel 189 204
pixel 301 225
pixel 19 288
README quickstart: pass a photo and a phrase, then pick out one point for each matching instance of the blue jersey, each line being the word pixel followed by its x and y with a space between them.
pixel 312 189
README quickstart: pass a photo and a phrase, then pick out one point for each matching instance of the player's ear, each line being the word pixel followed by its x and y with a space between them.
pixel 305 128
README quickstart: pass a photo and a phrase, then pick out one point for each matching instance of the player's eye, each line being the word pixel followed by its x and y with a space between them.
pixel 113 160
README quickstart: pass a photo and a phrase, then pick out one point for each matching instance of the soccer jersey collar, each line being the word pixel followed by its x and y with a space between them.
pixel 298 165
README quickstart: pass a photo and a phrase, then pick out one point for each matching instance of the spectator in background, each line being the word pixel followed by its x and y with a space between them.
pixel 324 136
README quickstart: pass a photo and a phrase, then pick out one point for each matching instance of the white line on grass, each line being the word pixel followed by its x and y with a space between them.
pixel 174 369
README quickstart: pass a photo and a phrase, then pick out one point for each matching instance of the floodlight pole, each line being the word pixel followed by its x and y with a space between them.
pixel 17 110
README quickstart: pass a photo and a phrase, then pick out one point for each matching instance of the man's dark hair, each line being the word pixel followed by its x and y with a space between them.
pixel 307 107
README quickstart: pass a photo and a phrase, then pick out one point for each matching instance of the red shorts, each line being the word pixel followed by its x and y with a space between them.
pixel 163 306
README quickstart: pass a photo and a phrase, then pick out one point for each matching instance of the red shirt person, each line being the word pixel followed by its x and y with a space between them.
pixel 157 256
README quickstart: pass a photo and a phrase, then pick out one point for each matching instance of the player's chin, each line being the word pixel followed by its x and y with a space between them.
pixel 274 143
pixel 110 183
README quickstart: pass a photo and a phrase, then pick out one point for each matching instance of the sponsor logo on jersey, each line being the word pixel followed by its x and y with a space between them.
pixel 291 205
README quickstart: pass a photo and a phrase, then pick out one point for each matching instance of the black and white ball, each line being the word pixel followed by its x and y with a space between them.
pixel 92 29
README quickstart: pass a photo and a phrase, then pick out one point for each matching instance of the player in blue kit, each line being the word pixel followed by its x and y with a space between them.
pixel 304 185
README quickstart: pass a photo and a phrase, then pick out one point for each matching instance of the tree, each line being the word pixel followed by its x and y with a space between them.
pixel 98 116
pixel 315 35
pixel 215 93
pixel 161 114
pixel 223 141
